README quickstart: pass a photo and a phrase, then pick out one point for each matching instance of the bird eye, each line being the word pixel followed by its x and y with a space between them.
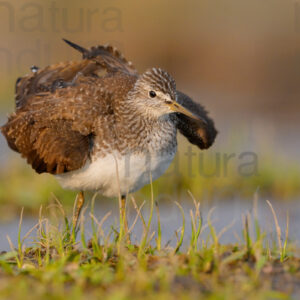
pixel 152 94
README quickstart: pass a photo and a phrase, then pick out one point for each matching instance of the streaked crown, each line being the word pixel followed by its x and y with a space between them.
pixel 160 80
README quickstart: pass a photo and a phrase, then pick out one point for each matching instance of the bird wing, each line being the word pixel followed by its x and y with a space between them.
pixel 57 112
pixel 197 132
pixel 97 61
pixel 107 56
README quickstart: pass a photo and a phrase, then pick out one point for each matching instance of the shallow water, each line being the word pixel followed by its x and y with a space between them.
pixel 225 213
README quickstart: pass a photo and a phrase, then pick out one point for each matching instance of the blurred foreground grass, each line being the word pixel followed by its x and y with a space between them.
pixel 105 265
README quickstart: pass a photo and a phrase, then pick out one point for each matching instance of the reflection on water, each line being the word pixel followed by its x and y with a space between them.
pixel 225 213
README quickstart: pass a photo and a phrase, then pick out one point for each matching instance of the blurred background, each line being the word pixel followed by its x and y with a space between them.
pixel 240 59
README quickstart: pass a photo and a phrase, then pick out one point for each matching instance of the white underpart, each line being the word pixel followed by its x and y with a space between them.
pixel 115 174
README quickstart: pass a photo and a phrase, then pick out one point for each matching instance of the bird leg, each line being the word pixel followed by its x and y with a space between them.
pixel 79 201
pixel 124 218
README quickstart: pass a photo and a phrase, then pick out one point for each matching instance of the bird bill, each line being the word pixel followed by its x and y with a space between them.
pixel 176 107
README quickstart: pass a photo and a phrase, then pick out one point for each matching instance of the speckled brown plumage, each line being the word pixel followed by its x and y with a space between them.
pixel 68 114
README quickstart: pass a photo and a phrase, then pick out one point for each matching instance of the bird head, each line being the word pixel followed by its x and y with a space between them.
pixel 156 93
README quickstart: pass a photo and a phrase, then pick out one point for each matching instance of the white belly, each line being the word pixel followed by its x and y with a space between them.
pixel 114 174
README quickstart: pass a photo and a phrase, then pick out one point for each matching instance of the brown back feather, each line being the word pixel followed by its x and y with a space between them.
pixel 58 109
pixel 107 56
pixel 95 61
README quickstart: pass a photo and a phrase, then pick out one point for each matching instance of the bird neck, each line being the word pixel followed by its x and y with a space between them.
pixel 144 131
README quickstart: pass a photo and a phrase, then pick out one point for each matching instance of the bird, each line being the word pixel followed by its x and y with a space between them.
pixel 96 124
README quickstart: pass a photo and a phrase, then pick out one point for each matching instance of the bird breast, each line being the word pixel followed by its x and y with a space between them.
pixel 118 172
